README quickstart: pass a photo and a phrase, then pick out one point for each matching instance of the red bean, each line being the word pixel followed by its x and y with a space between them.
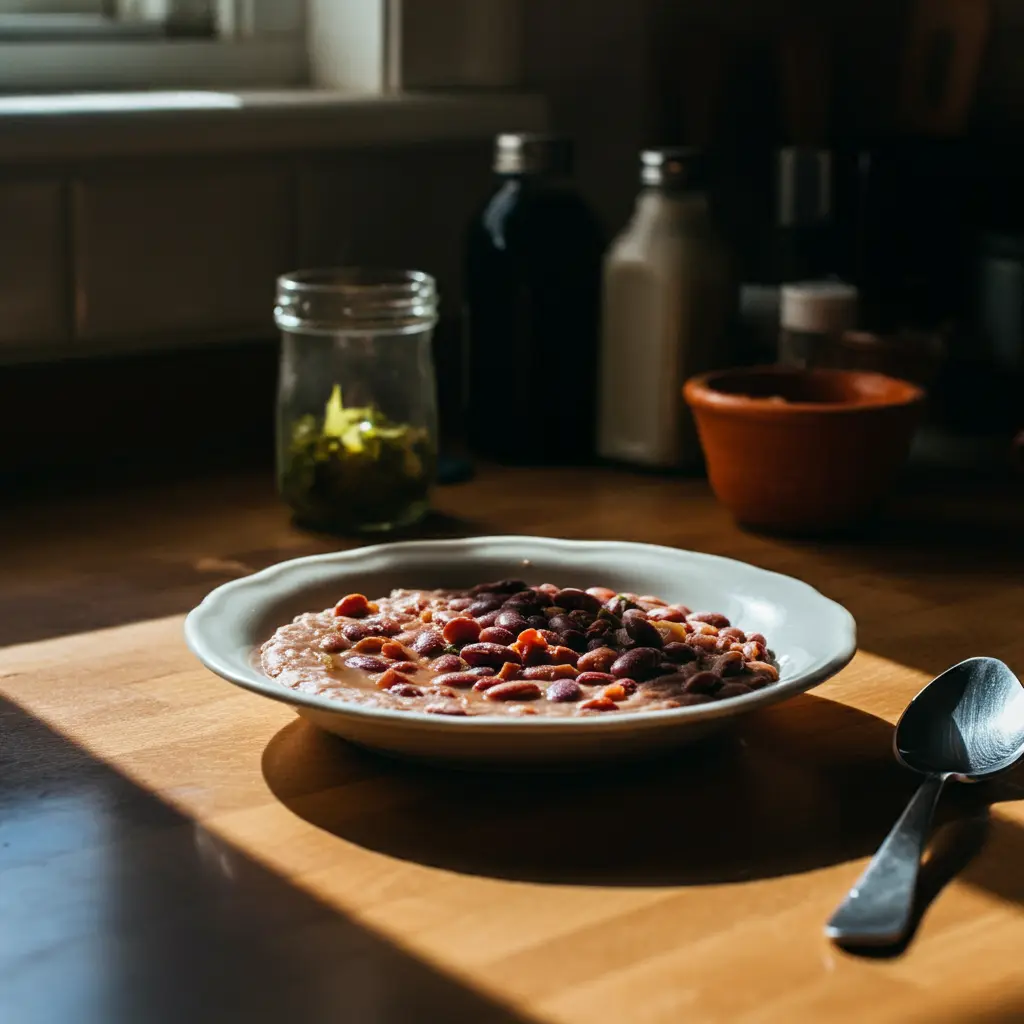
pixel 564 656
pixel 595 678
pixel 354 631
pixel 405 690
pixel 501 587
pixel 520 689
pixel 762 668
pixel 512 621
pixel 549 672
pixel 666 615
pixel 485 604
pixel 459 604
pixel 600 659
pixel 489 654
pixel 702 643
pixel 485 683
pixel 367 663
pixel 681 654
pixel 729 664
pixel 715 619
pixel 488 620
pixel 575 639
pixel 560 623
pixel 497 635
pixel 405 666
pixel 564 691
pixel 461 680
pixel 753 651
pixel 428 643
pixel 448 663
pixel 639 663
pixel 733 633
pixel 640 630
pixel 461 631
pixel 574 599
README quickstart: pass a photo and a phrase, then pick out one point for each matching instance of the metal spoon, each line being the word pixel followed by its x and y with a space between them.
pixel 967 724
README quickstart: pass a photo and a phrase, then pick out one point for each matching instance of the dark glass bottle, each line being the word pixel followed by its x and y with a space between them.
pixel 533 281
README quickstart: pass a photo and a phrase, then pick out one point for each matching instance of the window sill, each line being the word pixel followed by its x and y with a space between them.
pixel 73 127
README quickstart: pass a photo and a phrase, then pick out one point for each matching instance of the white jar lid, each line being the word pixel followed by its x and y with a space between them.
pixel 819 307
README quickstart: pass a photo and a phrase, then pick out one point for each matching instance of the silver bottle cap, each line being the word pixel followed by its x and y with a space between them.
pixel 675 168
pixel 531 153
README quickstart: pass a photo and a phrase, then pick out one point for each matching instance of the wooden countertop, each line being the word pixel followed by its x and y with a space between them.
pixel 173 848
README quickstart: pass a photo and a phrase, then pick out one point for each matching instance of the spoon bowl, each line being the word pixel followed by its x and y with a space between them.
pixel 967 725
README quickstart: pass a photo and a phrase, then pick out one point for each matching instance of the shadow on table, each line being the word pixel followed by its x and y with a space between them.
pixel 801 786
pixel 117 909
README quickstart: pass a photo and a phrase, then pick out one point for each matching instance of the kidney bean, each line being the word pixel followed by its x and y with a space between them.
pixel 563 655
pixel 528 599
pixel 686 699
pixel 753 651
pixel 601 593
pixel 497 635
pixel 520 689
pixel 575 639
pixel 757 638
pixel 715 619
pixel 511 620
pixel 452 710
pixel 564 691
pixel 629 686
pixel 665 615
pixel 481 670
pixel 681 654
pixel 547 588
pixel 393 649
pixel 537 622
pixel 448 663
pixel 729 664
pixel 639 663
pixel 651 599
pixel 405 666
pixel 600 659
pixel 488 620
pixel 508 671
pixel 549 672
pixel 461 680
pixel 485 605
pixel 596 643
pixel 641 631
pixel 577 600
pixel 484 684
pixel 334 643
pixel 355 606
pixel 703 682
pixel 753 680
pixel 704 629
pixel 619 604
pixel 733 633
pixel 489 654
pixel 702 643
pixel 595 678
pixel 550 637
pixel 560 623
pixel 370 645
pixel 461 631
pixel 367 663
pixel 599 704
pixel 429 643
pixel 460 604
pixel 764 669
pixel 405 690
pixel 382 625
pixel 501 587
pixel 354 632
pixel 581 618
pixel 598 627
pixel 732 690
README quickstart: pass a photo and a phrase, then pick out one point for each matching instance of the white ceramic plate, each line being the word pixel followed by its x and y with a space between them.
pixel 812 637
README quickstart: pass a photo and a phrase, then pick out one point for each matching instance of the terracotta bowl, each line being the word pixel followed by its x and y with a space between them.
pixel 803 451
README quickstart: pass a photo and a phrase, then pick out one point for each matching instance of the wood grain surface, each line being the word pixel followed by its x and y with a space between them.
pixel 175 849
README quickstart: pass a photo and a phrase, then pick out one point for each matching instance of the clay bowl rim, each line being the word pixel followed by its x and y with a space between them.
pixel 701 393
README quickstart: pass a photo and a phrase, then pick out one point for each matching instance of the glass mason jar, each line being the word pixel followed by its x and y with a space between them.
pixel 356 409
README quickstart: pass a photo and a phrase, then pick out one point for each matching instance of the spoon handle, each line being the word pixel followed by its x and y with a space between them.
pixel 877 910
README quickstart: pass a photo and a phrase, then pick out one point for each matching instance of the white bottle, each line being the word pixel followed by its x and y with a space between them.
pixel 667 299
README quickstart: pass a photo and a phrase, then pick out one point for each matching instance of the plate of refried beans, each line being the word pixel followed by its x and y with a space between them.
pixel 519 651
